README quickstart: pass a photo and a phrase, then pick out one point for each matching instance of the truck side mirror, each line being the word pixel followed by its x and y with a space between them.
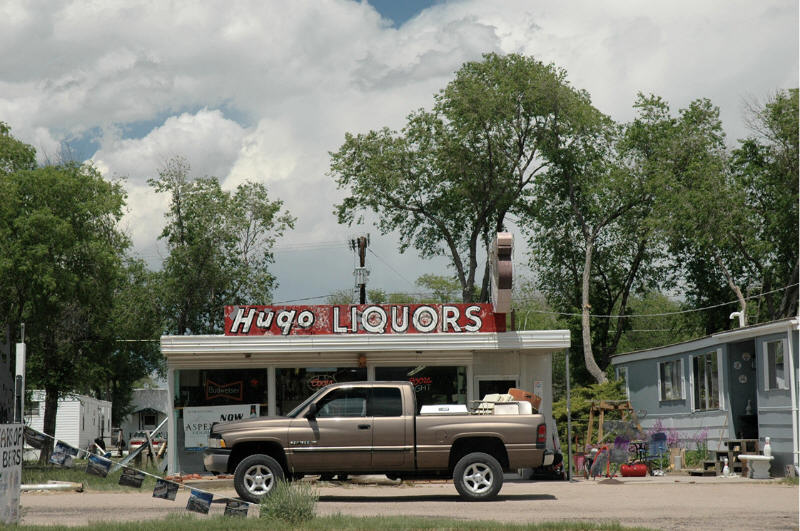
pixel 312 411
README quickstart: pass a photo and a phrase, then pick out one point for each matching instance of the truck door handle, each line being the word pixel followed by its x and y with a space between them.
pixel 364 426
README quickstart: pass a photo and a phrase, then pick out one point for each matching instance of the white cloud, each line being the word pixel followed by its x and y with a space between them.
pixel 279 83
pixel 207 139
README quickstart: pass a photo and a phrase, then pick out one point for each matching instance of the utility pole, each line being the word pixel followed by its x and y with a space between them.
pixel 361 273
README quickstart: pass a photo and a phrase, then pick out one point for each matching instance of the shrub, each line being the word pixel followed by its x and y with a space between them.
pixel 294 503
pixel 581 402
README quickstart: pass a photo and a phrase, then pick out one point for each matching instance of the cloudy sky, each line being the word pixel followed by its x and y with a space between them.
pixel 263 90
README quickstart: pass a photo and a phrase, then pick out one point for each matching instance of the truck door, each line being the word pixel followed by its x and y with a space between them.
pixel 392 447
pixel 338 438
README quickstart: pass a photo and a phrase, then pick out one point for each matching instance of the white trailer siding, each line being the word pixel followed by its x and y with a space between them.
pixel 79 420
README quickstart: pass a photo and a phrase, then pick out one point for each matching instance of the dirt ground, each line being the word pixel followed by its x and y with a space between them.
pixel 672 503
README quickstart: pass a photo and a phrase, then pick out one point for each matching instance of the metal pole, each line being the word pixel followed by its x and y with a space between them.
pixel 362 252
pixel 569 420
pixel 19 380
pixel 793 393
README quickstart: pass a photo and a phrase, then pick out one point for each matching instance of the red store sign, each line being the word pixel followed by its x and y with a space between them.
pixel 362 319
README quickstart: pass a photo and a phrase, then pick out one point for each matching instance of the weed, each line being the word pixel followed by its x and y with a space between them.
pixel 294 503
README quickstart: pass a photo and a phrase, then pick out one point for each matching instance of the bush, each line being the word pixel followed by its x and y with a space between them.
pixel 294 503
pixel 581 402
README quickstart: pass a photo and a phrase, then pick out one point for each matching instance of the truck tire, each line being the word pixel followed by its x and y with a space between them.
pixel 478 477
pixel 256 476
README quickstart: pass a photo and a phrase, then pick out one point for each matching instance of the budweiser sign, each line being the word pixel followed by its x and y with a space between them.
pixel 231 391
pixel 362 319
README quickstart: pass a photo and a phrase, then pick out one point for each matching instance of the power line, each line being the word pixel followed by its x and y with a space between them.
pixel 301 300
pixel 390 267
pixel 664 314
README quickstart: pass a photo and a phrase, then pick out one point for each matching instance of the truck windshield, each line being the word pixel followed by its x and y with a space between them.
pixel 296 411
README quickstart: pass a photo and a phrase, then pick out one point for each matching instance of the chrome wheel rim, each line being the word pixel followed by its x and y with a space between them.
pixel 478 478
pixel 259 480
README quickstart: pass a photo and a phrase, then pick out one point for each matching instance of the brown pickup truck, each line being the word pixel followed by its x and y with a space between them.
pixel 373 428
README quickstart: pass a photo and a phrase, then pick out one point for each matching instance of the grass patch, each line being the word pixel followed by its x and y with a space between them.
pixel 35 474
pixel 292 503
pixel 791 481
pixel 221 523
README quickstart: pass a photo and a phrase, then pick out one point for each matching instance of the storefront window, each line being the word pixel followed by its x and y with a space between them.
pixel 292 386
pixel 433 384
pixel 222 387
pixel 205 396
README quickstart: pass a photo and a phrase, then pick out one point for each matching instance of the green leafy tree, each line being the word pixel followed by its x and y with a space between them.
pixel 731 218
pixel 220 247
pixel 447 180
pixel 137 322
pixel 401 298
pixel 441 289
pixel 696 193
pixel 590 239
pixel 341 297
pixel 15 155
pixel 664 324
pixel 60 259
pixel 765 166
pixel 377 296
pixel 581 399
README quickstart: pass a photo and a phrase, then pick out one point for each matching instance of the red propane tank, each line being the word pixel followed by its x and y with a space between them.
pixel 637 470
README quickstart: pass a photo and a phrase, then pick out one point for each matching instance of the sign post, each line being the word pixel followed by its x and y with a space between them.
pixel 19 379
pixel 10 472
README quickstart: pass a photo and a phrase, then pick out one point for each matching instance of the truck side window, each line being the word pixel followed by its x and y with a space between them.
pixel 343 403
pixel 385 402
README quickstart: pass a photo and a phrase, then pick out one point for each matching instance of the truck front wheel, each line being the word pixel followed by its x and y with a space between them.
pixel 478 477
pixel 256 476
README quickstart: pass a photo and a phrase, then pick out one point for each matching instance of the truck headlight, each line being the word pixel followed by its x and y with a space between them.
pixel 215 440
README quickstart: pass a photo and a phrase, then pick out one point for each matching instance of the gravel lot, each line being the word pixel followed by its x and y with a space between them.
pixel 678 502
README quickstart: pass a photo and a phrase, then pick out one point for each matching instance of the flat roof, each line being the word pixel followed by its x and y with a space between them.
pixel 201 348
pixel 718 338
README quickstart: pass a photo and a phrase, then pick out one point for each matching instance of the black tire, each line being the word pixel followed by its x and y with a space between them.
pixel 256 476
pixel 326 477
pixel 478 477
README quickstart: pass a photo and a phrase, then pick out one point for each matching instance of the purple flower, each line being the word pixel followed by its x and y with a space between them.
pixel 673 438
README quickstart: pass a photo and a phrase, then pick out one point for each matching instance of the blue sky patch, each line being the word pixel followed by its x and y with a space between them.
pixel 400 11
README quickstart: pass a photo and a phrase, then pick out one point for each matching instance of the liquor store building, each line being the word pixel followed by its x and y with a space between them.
pixel 271 358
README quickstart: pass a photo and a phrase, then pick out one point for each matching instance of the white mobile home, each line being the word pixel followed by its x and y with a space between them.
pixel 79 421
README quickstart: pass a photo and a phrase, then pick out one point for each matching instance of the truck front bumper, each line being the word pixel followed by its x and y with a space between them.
pixel 215 460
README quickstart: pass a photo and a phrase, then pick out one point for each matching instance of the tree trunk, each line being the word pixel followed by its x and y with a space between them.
pixel 50 409
pixel 735 288
pixel 485 283
pixel 588 356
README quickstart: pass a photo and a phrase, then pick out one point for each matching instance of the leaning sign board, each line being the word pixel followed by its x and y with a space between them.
pixel 10 471
pixel 362 319
pixel 197 421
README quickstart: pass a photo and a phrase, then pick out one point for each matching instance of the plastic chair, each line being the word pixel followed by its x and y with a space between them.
pixel 657 447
